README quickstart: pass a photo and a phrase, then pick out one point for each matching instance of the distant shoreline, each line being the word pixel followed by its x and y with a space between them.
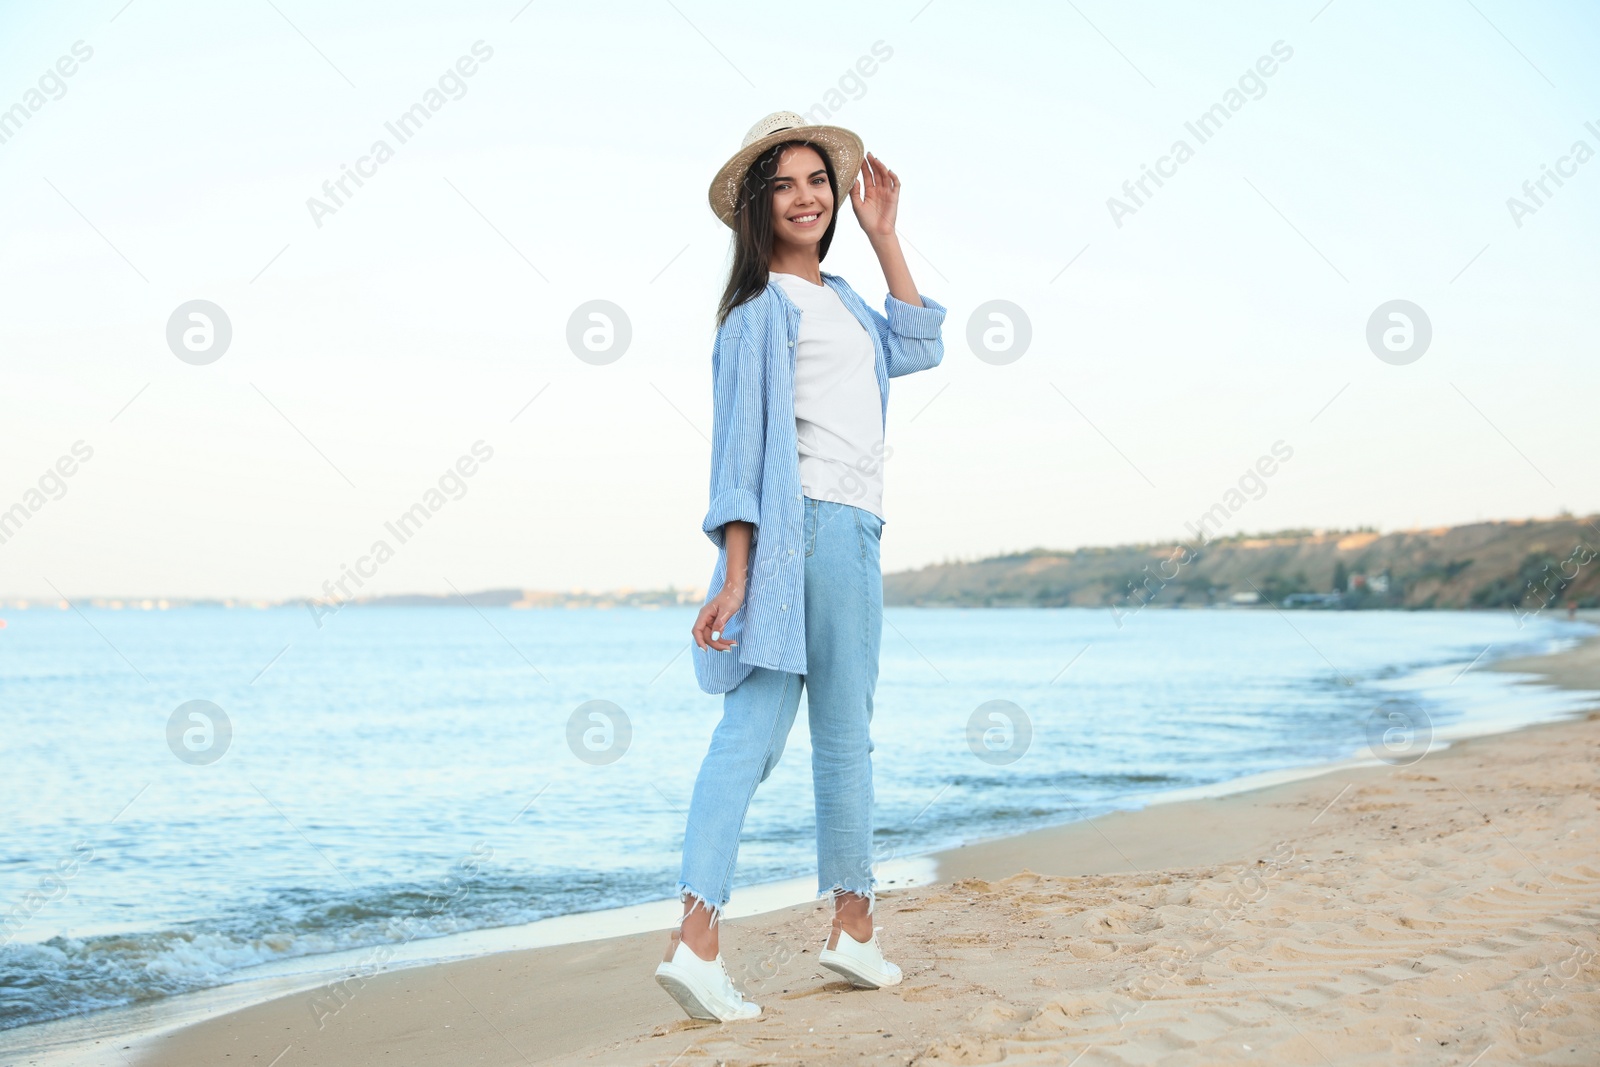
pixel 1527 566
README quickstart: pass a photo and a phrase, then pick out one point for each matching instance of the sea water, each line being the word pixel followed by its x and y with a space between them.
pixel 193 792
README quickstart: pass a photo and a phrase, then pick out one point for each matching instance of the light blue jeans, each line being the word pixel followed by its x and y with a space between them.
pixel 844 628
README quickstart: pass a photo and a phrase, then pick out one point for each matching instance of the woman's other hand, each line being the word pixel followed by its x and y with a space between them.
pixel 715 615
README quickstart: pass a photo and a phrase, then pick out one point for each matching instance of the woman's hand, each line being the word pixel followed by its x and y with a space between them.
pixel 715 615
pixel 876 206
pixel 875 197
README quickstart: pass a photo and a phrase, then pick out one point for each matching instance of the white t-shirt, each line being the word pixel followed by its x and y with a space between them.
pixel 838 408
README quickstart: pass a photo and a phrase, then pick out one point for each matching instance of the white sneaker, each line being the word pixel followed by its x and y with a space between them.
pixel 702 987
pixel 862 964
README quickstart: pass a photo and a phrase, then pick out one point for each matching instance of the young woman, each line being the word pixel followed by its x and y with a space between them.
pixel 800 373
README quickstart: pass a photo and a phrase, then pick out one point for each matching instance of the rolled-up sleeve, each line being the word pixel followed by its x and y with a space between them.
pixel 738 430
pixel 913 336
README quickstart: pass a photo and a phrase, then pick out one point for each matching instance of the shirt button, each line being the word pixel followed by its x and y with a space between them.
pixel 791 552
pixel 783 607
pixel 791 344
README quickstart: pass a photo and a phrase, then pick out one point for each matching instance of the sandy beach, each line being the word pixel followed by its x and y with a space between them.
pixel 1443 912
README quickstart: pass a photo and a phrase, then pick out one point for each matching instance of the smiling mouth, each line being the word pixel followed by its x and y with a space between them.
pixel 805 220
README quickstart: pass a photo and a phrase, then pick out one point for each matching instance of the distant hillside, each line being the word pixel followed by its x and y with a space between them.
pixel 1529 565
pixel 1524 564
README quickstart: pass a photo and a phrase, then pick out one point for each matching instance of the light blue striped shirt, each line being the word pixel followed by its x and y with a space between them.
pixel 755 463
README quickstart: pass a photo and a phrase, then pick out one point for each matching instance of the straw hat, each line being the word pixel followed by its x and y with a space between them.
pixel 844 149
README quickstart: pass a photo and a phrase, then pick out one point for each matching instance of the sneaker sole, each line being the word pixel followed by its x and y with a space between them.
pixel 859 979
pixel 685 996
pixel 690 1002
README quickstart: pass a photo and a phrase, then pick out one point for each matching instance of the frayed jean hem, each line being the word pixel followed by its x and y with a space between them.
pixel 685 893
pixel 838 887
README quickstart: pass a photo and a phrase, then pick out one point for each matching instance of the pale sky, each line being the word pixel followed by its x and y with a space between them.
pixel 370 353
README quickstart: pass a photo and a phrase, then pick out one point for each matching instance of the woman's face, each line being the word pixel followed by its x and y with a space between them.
pixel 802 199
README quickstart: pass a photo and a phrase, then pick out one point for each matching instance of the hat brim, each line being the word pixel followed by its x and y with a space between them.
pixel 845 150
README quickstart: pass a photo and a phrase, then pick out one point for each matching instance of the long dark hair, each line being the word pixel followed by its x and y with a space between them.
pixel 752 227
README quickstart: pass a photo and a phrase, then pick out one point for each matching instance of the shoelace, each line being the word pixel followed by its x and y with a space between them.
pixel 727 980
